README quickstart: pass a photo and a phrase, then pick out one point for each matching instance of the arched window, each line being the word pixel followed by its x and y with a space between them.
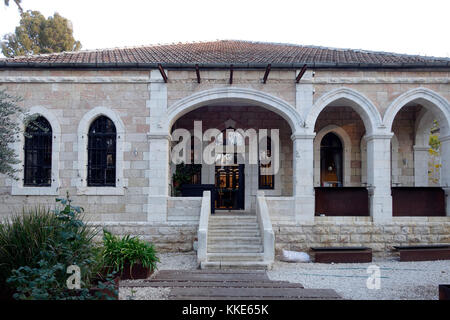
pixel 38 153
pixel 102 153
pixel 266 181
pixel 331 161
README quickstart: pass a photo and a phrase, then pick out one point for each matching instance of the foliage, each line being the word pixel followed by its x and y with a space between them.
pixel 183 175
pixel 119 251
pixel 17 2
pixel 434 151
pixel 37 247
pixel 22 238
pixel 9 130
pixel 37 35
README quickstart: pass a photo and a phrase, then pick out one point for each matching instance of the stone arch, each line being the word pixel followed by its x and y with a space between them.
pixel 17 187
pixel 347 146
pixel 437 104
pixel 423 127
pixel 83 129
pixel 258 98
pixel 362 105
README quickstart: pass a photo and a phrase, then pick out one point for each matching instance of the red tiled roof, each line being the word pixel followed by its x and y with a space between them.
pixel 226 52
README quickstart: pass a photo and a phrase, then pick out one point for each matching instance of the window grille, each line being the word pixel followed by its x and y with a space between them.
pixel 102 153
pixel 38 153
pixel 266 181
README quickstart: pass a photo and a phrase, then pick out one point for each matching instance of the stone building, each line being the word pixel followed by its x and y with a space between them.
pixel 355 166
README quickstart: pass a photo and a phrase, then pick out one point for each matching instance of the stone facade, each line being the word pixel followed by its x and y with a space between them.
pixel 361 232
pixel 366 105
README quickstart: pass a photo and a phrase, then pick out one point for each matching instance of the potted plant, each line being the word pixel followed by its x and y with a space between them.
pixel 131 257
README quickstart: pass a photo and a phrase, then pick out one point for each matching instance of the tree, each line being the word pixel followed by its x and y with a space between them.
pixel 36 35
pixel 17 2
pixel 9 131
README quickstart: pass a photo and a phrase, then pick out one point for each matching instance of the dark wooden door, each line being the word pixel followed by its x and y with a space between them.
pixel 230 188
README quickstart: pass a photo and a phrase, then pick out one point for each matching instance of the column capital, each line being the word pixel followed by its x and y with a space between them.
pixel 444 138
pixel 296 136
pixel 421 148
pixel 379 136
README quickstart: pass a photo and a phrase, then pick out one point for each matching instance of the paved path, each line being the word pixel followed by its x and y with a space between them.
pixel 229 285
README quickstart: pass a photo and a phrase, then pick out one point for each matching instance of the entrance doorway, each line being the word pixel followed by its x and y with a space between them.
pixel 230 187
pixel 331 161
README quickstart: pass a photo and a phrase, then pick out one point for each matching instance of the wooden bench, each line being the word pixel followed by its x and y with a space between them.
pixel 444 292
pixel 342 254
pixel 424 252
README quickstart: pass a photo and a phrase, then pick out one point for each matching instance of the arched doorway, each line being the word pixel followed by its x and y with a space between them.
pixel 331 161
pixel 229 172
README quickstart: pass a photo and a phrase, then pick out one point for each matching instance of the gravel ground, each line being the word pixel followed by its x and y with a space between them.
pixel 399 280
pixel 169 261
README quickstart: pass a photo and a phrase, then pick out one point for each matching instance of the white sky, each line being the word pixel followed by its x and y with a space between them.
pixel 402 26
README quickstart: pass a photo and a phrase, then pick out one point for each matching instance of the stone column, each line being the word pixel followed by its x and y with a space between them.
pixel 421 166
pixel 445 169
pixel 303 177
pixel 159 148
pixel 379 176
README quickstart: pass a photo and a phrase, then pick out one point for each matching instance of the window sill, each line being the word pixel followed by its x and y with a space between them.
pixel 101 191
pixel 34 191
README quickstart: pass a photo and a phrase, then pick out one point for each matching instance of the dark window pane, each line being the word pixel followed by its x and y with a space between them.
pixel 102 153
pixel 38 153
pixel 266 181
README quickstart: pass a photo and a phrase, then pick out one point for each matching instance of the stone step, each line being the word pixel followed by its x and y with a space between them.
pixel 246 233
pixel 233 240
pixel 234 225
pixel 254 265
pixel 233 248
pixel 228 230
pixel 227 219
pixel 235 257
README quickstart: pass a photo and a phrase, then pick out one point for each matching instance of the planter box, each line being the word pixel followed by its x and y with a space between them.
pixel 444 292
pixel 342 254
pixel 424 253
pixel 136 272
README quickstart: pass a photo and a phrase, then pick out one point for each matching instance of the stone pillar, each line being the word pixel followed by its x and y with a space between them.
pixel 445 169
pixel 379 177
pixel 303 177
pixel 159 148
pixel 421 166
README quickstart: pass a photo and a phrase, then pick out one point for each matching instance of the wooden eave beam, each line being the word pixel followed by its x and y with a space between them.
pixel 266 74
pixel 197 72
pixel 231 74
pixel 301 73
pixel 163 73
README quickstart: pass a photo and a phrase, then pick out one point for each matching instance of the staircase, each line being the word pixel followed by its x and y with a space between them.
pixel 234 241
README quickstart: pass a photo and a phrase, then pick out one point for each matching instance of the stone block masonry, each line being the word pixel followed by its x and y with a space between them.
pixel 381 238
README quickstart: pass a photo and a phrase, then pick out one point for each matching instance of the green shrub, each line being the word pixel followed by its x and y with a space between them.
pixel 37 247
pixel 22 239
pixel 119 251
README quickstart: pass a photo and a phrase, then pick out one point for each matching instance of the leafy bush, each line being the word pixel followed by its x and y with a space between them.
pixel 37 248
pixel 120 251
pixel 22 239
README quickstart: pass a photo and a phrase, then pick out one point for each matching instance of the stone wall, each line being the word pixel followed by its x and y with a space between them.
pixel 167 237
pixel 361 232
pixel 69 100
pixel 381 87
